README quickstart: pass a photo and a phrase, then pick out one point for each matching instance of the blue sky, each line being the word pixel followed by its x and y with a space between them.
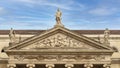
pixel 76 14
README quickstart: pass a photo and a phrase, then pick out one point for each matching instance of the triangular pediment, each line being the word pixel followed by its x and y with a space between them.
pixel 59 37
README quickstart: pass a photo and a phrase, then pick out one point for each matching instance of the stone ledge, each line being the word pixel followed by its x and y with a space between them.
pixel 3 61
pixel 116 55
pixel 115 61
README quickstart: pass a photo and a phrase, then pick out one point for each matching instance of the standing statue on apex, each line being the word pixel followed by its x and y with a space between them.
pixel 58 16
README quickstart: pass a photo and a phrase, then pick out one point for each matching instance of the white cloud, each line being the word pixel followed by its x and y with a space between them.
pixel 62 6
pixel 67 5
pixel 2 10
pixel 12 23
pixel 1 19
pixel 30 24
pixel 24 17
pixel 42 2
pixel 103 11
pixel 24 1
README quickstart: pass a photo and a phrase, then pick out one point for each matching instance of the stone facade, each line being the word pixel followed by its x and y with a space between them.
pixel 113 60
pixel 60 47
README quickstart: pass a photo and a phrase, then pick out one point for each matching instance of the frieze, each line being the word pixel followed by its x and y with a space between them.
pixel 19 57
pixel 61 57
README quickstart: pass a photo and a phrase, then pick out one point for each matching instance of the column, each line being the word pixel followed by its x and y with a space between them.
pixel 88 65
pixel 30 65
pixel 106 65
pixel 50 65
pixel 69 65
pixel 11 65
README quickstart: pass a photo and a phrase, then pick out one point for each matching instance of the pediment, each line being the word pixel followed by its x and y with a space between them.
pixel 59 37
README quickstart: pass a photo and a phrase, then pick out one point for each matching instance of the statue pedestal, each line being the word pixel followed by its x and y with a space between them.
pixel 59 24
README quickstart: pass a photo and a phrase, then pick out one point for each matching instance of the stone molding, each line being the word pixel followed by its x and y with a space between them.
pixel 116 61
pixel 3 61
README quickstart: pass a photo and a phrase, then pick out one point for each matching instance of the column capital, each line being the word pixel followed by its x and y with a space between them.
pixel 69 65
pixel 88 65
pixel 50 65
pixel 106 65
pixel 11 65
pixel 30 65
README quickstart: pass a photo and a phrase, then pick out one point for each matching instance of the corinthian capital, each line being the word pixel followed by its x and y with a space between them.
pixel 30 65
pixel 11 65
pixel 88 65
pixel 50 65
pixel 69 65
pixel 106 65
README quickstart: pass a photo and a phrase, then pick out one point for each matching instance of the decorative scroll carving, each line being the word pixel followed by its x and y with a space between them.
pixel 60 57
pixel 98 57
pixel 47 58
pixel 39 58
pixel 19 57
pixel 92 57
pixel 68 58
pixel 58 40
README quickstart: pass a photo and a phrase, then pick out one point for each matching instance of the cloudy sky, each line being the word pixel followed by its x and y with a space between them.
pixel 76 14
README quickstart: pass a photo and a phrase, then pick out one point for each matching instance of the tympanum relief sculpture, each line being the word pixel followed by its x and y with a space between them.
pixel 58 40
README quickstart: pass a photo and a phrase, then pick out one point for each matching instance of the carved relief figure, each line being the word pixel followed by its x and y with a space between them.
pixel 58 40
